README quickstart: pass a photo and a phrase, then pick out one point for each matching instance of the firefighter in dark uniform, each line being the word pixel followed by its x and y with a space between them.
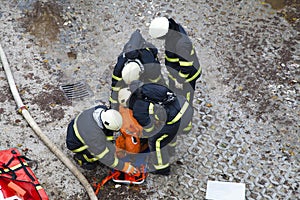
pixel 89 136
pixel 160 113
pixel 180 56
pixel 138 61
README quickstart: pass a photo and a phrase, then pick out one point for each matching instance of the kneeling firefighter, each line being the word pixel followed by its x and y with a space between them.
pixel 89 136
pixel 161 114
pixel 138 61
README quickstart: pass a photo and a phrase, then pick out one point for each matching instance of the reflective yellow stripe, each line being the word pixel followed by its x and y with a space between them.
pixel 116 78
pixel 193 51
pixel 157 167
pixel 183 75
pixel 158 153
pixel 195 75
pixel 189 127
pixel 116 162
pixel 171 59
pixel 149 129
pixel 116 89
pixel 77 132
pixel 109 138
pixel 155 80
pixel 89 159
pixel 172 144
pixel 156 117
pixel 14 167
pixel 151 109
pixel 101 155
pixel 112 100
pixel 186 63
pixel 38 187
pixel 171 77
pixel 180 113
pixel 188 96
pixel 80 149
pixel 148 49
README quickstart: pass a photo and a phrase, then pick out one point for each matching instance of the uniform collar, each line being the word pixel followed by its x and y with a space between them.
pixel 96 116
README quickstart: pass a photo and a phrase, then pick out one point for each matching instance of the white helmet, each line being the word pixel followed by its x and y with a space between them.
pixel 124 95
pixel 111 119
pixel 131 71
pixel 159 27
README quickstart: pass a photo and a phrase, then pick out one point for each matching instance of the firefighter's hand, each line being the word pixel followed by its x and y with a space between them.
pixel 129 169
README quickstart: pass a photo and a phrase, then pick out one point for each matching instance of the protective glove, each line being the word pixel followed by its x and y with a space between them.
pixel 129 169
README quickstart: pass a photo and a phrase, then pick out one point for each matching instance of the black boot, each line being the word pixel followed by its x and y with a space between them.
pixel 165 172
pixel 83 163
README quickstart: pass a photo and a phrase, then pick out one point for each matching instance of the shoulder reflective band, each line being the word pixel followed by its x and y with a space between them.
pixel 171 59
pixel 195 75
pixel 158 153
pixel 79 137
pixel 186 63
pixel 151 109
pixel 116 78
pixel 180 113
pixel 112 100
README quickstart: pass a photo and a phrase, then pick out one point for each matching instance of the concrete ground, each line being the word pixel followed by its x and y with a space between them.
pixel 246 120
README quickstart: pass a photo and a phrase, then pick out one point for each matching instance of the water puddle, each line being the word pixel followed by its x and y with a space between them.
pixel 288 9
pixel 276 4
pixel 43 20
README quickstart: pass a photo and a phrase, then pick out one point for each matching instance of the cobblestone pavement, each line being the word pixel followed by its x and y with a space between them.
pixel 246 123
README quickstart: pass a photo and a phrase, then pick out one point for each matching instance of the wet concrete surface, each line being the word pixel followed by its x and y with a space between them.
pixel 246 121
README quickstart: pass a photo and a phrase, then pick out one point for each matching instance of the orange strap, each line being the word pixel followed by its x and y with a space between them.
pixel 109 177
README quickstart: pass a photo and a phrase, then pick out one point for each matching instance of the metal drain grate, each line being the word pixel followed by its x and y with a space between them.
pixel 76 90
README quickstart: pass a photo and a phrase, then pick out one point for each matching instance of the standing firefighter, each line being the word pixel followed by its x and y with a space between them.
pixel 138 61
pixel 161 114
pixel 89 136
pixel 180 56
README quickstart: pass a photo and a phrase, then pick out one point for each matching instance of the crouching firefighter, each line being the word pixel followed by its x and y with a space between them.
pixel 138 61
pixel 159 112
pixel 89 136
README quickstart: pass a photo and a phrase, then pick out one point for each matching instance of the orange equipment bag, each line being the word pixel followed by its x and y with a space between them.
pixel 17 179
pixel 131 131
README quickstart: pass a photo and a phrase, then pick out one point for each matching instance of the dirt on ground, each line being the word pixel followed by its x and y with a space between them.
pixel 62 54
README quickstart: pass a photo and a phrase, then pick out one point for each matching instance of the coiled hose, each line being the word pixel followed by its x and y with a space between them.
pixel 58 153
